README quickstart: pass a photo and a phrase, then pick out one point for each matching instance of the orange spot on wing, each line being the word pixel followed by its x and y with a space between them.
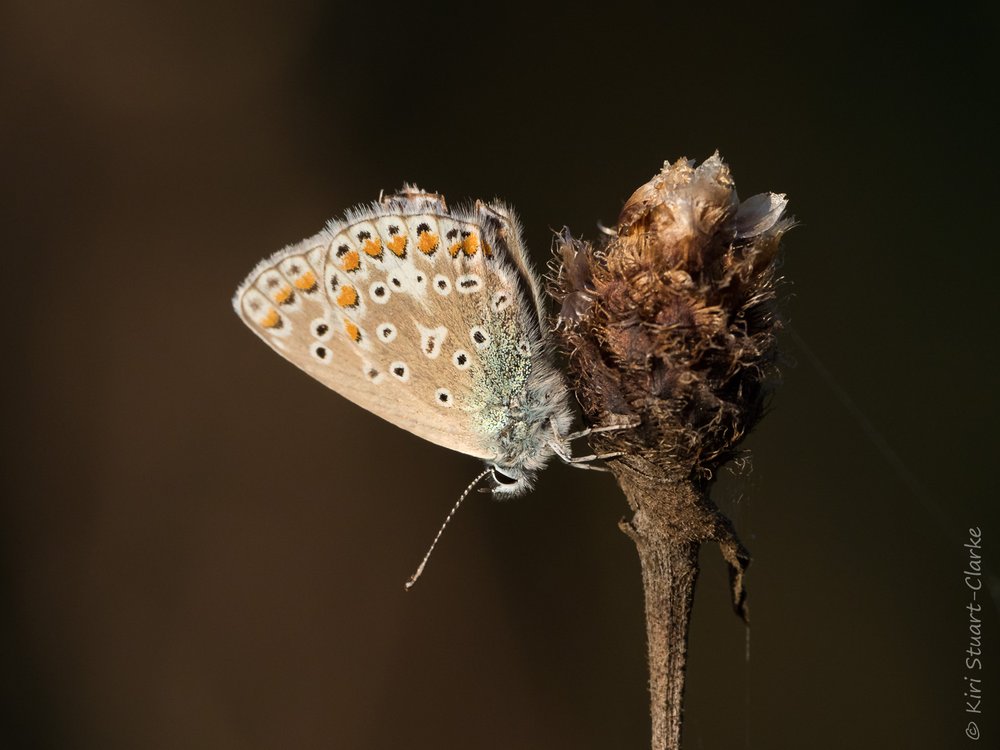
pixel 306 281
pixel 353 332
pixel 373 247
pixel 283 295
pixel 272 319
pixel 487 250
pixel 455 249
pixel 398 245
pixel 352 261
pixel 348 297
pixel 428 243
pixel 471 245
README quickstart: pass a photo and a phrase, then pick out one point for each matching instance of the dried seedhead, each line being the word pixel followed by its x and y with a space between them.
pixel 672 319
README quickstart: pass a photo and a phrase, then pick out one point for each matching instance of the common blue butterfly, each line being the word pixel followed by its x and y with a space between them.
pixel 430 318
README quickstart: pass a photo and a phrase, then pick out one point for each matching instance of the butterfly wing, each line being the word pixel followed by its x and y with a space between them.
pixel 412 312
pixel 501 223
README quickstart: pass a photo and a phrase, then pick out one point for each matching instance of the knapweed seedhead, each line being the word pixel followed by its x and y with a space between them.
pixel 672 318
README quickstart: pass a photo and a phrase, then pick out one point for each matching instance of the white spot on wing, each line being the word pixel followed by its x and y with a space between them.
pixel 255 305
pixel 320 352
pixel 442 285
pixel 468 283
pixel 386 333
pixel 431 340
pixel 479 337
pixel 379 292
pixel 400 371
pixel 502 300
pixel 321 329
pixel 372 373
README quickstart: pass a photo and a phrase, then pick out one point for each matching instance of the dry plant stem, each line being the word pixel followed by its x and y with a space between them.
pixel 670 326
pixel 669 572
pixel 669 521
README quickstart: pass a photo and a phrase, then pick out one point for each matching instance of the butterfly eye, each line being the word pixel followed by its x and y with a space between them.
pixel 502 479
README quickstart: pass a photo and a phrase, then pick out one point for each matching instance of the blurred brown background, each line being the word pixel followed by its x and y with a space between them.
pixel 184 563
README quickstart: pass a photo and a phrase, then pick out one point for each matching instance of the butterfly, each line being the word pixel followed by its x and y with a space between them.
pixel 429 318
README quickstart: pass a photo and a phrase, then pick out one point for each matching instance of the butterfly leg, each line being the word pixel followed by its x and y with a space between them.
pixel 628 425
pixel 589 467
pixel 582 462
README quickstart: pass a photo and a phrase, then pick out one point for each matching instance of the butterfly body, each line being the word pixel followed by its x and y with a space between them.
pixel 431 319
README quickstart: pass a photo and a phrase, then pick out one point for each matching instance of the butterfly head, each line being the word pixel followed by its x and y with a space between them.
pixel 531 443
pixel 509 481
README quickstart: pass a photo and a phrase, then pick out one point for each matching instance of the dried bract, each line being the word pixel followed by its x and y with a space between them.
pixel 673 319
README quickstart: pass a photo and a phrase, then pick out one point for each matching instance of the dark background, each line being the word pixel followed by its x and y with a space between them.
pixel 188 560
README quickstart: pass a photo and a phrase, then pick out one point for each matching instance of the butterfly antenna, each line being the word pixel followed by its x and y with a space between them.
pixel 451 513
